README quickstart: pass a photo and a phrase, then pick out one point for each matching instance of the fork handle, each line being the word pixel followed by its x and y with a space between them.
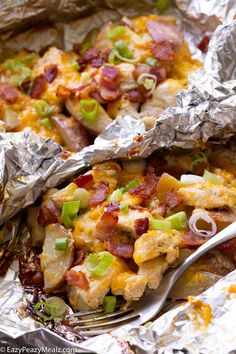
pixel 225 235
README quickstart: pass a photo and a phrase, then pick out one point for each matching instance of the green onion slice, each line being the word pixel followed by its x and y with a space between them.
pixel 69 212
pixel 151 61
pixel 109 304
pixel 155 224
pixel 115 32
pixel 116 196
pixel 212 178
pixel 85 47
pixel 124 208
pixel 162 5
pixel 148 84
pixel 99 263
pixel 43 109
pixel 61 244
pixel 83 196
pixel 123 50
pixel 75 65
pixel 55 306
pixel 89 109
pixel 132 184
pixel 178 221
pixel 25 73
pixel 46 123
pixel 29 58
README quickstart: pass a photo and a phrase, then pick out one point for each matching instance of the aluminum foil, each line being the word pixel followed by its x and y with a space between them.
pixel 30 165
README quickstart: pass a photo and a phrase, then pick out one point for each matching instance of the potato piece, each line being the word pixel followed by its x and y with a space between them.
pixel 55 263
pixel 96 126
pixel 165 184
pixel 37 231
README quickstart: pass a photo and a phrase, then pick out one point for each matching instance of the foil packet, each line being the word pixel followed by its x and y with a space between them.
pixel 30 165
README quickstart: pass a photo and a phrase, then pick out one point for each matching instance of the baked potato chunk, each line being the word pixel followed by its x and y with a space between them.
pixel 55 263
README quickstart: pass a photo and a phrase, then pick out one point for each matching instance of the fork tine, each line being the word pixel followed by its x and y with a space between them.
pixel 104 324
pixel 83 313
pixel 94 333
pixel 109 315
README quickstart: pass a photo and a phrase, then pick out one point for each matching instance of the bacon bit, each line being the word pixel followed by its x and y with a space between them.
pixel 91 54
pixel 160 166
pixel 106 226
pixel 100 194
pixel 173 199
pixel 192 239
pixel 159 72
pixel 203 45
pixel 79 257
pixel 135 96
pixel 97 62
pixel 8 92
pixel 141 226
pixel 26 86
pixel 229 248
pixel 64 92
pixel 30 272
pixel 119 249
pixel 111 72
pixel 138 207
pixel 39 86
pixel 138 138
pixel 162 51
pixel 82 64
pixel 77 47
pixel 133 151
pixel 50 72
pixel 145 190
pixel 48 213
pixel 163 31
pixel 112 207
pixel 96 95
pixel 109 90
pixel 84 181
pixel 65 155
pixel 77 279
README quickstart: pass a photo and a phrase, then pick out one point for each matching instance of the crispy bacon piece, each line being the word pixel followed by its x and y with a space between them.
pixel 229 248
pixel 77 279
pixel 141 226
pixel 64 92
pixel 164 31
pixel 159 72
pixel 30 272
pixel 203 45
pixel 135 96
pixel 106 226
pixel 84 181
pixel 50 72
pixel 97 62
pixel 91 54
pixel 39 86
pixel 26 86
pixel 112 207
pixel 119 249
pixel 109 90
pixel 79 257
pixel 100 194
pixel 145 190
pixel 111 72
pixel 77 47
pixel 192 239
pixel 160 166
pixel 8 92
pixel 163 51
pixel 48 213
pixel 97 96
pixel 173 199
pixel 163 209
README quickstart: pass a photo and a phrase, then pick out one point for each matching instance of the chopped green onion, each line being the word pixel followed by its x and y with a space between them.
pixel 46 123
pixel 112 56
pixel 116 32
pixel 38 305
pixel 155 224
pixel 85 77
pixel 178 221
pixel 109 304
pixel 75 65
pixel 61 244
pixel 55 306
pixel 162 5
pixel 148 324
pixel 25 73
pixel 43 109
pixel 85 47
pixel 83 196
pixel 89 109
pixel 69 212
pixel 28 58
pixel 212 178
pixel 132 184
pixel 123 49
pixel 13 65
pixel 151 61
pixel 116 196
pixel 124 208
pixel 99 263
pixel 148 84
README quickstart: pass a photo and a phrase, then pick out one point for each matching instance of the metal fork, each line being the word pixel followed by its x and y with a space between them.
pixel 95 322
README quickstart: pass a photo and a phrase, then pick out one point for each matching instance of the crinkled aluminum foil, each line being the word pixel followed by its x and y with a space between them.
pixel 30 165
